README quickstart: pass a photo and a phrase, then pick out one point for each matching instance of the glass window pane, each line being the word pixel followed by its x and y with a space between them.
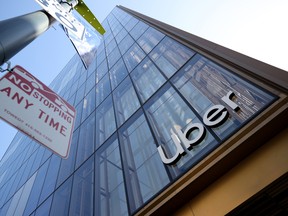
pixel 119 37
pixel 83 75
pixel 89 104
pixel 37 186
pixel 90 83
pixel 103 89
pixel 169 55
pixel 67 165
pixel 125 100
pixel 111 46
pixel 113 57
pixel 24 196
pixel 100 56
pixel 125 44
pixel 150 39
pixel 138 30
pixel 167 112
pixel 117 28
pixel 133 56
pixel 101 70
pixel 71 99
pixel 108 38
pixel 86 139
pixel 78 109
pixel 80 94
pixel 125 19
pixel 37 162
pixel 147 79
pixel 118 73
pixel 44 208
pixel 105 121
pixel 51 178
pixel 5 208
pixel 131 23
pixel 83 187
pixel 146 174
pixel 92 67
pixel 203 84
pixel 61 198
pixel 110 198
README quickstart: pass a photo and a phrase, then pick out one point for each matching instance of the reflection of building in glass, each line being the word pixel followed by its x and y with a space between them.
pixel 146 81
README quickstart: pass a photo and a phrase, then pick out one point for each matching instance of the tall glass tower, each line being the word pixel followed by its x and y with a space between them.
pixel 153 114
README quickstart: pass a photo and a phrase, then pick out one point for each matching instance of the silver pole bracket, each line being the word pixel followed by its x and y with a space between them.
pixel 8 67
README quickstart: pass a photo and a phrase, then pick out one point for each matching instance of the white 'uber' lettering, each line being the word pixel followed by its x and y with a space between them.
pixel 213 117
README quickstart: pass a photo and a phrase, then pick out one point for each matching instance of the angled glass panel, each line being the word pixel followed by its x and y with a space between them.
pixel 169 55
pixel 117 28
pixel 105 24
pixel 125 18
pixel 113 57
pixel 67 165
pixel 92 67
pixel 27 169
pixel 133 57
pixel 117 73
pixel 37 162
pixel 150 39
pixel 103 89
pixel 78 109
pixel 44 208
pixel 147 79
pixel 89 104
pixel 83 189
pixel 90 83
pixel 125 44
pixel 37 186
pixel 100 56
pixel 83 76
pixel 146 174
pixel 110 195
pixel 71 99
pixel 119 37
pixel 111 46
pixel 61 198
pixel 51 178
pixel 203 83
pixel 24 196
pixel 86 144
pixel 138 30
pixel 47 154
pixel 73 89
pixel 131 23
pixel 100 49
pixel 108 38
pixel 167 112
pixel 80 94
pixel 101 70
pixel 4 209
pixel 125 101
pixel 105 121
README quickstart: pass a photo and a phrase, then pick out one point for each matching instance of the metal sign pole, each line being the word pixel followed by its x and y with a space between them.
pixel 18 32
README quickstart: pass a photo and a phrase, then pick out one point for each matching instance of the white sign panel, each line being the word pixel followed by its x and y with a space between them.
pixel 63 16
pixel 87 47
pixel 33 108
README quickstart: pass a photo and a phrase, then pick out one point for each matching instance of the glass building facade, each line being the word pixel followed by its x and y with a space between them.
pixel 141 87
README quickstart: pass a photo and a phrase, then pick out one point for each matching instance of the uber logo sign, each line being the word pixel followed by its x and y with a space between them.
pixel 213 117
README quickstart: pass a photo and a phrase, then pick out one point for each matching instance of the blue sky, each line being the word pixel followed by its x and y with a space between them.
pixel 257 28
